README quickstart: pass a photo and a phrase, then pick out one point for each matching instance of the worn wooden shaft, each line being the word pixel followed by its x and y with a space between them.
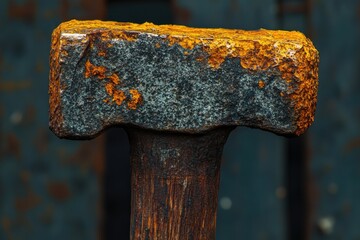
pixel 175 181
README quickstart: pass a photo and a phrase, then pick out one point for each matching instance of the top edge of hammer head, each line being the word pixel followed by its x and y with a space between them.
pixel 177 78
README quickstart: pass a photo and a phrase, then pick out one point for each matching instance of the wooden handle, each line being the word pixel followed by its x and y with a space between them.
pixel 174 184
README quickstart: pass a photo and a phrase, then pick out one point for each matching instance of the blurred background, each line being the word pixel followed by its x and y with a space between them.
pixel 271 187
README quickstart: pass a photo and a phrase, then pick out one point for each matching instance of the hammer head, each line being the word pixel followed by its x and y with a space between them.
pixel 175 78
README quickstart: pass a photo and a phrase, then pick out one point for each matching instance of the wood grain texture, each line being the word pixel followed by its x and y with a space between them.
pixel 175 181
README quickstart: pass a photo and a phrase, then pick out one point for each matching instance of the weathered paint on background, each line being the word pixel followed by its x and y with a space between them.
pixel 49 188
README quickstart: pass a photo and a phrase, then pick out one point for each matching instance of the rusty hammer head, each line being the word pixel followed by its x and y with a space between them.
pixel 176 78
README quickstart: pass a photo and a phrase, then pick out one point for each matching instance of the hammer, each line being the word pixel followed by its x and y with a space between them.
pixel 178 92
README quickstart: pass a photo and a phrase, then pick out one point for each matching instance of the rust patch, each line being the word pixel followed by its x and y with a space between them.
pixel 114 78
pixel 261 84
pixel 109 88
pixel 58 190
pixel 119 97
pixel 136 99
pixel 92 70
pixel 305 95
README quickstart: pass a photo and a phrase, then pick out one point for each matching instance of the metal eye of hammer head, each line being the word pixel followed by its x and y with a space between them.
pixel 178 91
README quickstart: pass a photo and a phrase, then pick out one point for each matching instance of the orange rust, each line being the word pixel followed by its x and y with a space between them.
pixel 257 49
pixel 64 53
pixel 92 70
pixel 114 78
pixel 136 99
pixel 157 45
pixel 109 87
pixel 119 97
pixel 261 84
pixel 304 96
pixel 101 54
pixel 200 59
pixel 56 117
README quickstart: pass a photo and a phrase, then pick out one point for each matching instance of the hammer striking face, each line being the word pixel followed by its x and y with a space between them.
pixel 181 79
